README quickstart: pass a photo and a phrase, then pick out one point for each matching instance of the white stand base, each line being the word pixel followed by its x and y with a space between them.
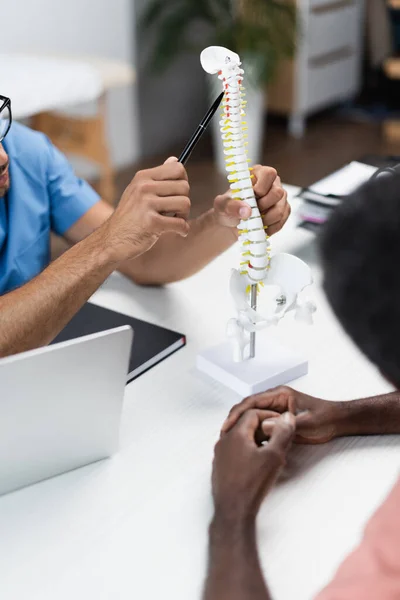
pixel 273 365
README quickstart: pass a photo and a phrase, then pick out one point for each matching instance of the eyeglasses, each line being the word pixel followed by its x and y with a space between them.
pixel 5 116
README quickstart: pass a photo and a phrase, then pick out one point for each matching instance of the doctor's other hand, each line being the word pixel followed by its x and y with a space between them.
pixel 317 421
pixel 244 470
pixel 271 197
pixel 144 211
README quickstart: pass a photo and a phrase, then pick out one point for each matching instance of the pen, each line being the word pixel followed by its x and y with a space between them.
pixel 188 149
pixel 200 130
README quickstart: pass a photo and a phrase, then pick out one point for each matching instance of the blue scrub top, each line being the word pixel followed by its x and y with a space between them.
pixel 45 195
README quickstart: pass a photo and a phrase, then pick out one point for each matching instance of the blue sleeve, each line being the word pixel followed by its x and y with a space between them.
pixel 70 197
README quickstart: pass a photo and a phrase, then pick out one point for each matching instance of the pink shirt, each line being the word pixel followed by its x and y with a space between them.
pixel 372 571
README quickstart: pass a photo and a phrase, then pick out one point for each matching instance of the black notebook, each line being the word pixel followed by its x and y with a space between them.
pixel 321 198
pixel 151 343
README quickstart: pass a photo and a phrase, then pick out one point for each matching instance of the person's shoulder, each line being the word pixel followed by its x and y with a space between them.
pixel 22 139
pixel 30 151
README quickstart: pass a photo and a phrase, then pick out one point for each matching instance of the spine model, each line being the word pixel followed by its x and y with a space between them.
pixel 253 239
pixel 287 273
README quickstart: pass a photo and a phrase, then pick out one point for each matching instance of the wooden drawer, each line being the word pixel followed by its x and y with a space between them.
pixel 328 83
pixel 334 28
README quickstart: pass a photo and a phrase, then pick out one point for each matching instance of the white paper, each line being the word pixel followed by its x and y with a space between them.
pixel 345 181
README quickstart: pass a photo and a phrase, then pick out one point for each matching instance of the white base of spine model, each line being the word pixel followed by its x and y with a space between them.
pixel 274 364
pixel 240 368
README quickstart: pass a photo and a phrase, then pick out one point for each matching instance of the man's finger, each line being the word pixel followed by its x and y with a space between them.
pixel 237 209
pixel 263 180
pixel 305 422
pixel 282 434
pixel 236 412
pixel 163 189
pixel 221 201
pixel 272 229
pixel 275 195
pixel 248 425
pixel 178 205
pixel 174 225
pixel 275 400
pixel 170 159
pixel 268 425
pixel 170 170
pixel 304 426
pixel 275 214
pixel 264 416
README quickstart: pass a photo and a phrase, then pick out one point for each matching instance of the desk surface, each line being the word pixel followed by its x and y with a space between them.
pixel 135 526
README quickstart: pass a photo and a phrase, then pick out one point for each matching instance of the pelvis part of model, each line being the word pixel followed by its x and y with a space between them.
pixel 256 268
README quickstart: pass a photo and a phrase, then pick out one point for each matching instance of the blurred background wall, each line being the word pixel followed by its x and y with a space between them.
pixel 351 42
pixel 104 28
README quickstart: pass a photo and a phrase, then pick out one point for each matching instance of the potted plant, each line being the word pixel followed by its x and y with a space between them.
pixel 262 32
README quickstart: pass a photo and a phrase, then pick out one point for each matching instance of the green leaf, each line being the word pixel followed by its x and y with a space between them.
pixel 171 42
pixel 262 29
pixel 152 14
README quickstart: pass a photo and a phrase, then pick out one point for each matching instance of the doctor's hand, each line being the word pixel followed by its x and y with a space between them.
pixel 145 210
pixel 317 421
pixel 271 197
pixel 244 470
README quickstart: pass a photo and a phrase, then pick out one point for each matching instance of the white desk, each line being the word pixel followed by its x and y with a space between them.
pixel 135 527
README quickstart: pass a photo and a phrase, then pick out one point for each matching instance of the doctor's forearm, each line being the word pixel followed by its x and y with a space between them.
pixel 34 314
pixel 174 258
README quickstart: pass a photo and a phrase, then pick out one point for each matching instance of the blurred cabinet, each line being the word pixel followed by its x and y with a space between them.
pixel 391 126
pixel 327 66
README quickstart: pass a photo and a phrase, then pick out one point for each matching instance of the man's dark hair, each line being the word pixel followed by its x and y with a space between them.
pixel 360 249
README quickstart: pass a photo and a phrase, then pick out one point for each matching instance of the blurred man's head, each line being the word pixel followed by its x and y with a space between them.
pixel 5 124
pixel 4 174
pixel 361 258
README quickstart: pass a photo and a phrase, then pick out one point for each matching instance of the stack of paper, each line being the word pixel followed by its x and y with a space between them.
pixel 323 196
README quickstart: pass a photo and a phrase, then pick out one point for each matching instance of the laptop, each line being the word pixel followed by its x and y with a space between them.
pixel 60 406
